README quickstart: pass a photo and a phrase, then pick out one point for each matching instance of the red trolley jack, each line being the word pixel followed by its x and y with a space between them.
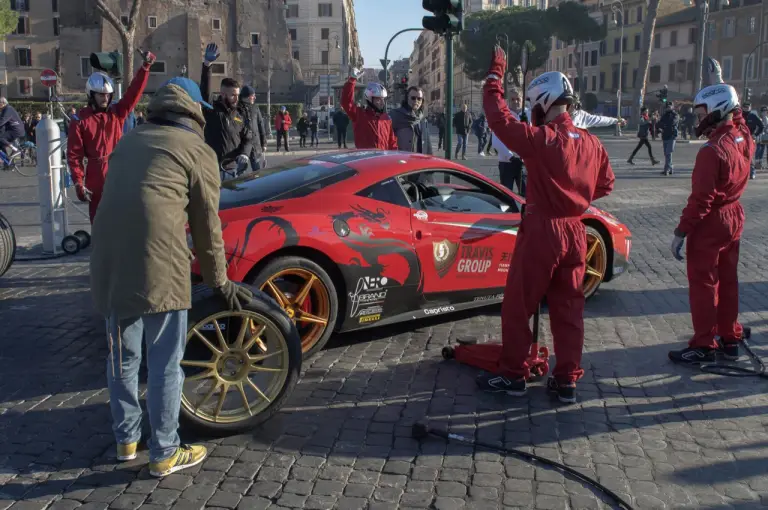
pixel 486 356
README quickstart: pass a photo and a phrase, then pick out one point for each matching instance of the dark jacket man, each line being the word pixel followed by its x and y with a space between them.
pixel 254 120
pixel 340 120
pixel 668 123
pixel 753 121
pixel 225 128
pixel 462 123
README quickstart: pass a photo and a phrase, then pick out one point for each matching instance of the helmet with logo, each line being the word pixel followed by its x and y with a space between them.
pixel 99 83
pixel 374 90
pixel 547 90
pixel 718 101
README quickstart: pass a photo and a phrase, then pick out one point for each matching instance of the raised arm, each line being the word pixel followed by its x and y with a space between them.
pixel 348 98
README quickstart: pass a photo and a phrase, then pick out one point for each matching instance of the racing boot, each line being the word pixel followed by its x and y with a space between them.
pixel 730 350
pixel 492 383
pixel 693 355
pixel 566 393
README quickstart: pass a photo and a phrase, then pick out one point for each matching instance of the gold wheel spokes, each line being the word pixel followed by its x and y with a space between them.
pixel 229 383
pixel 305 299
pixel 592 249
pixel 593 272
pixel 596 264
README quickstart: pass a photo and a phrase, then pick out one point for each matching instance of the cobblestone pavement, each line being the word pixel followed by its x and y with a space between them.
pixel 662 435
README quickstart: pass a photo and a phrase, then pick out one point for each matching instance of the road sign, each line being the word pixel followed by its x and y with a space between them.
pixel 49 77
pixel 384 63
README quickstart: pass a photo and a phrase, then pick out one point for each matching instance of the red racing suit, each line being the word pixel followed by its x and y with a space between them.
pixel 372 130
pixel 95 135
pixel 568 168
pixel 712 223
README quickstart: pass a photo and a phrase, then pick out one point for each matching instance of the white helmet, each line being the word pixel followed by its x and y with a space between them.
pixel 547 89
pixel 719 100
pixel 99 83
pixel 375 90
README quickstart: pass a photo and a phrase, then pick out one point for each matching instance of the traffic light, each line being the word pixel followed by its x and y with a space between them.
pixel 448 16
pixel 748 95
pixel 662 94
pixel 110 63
pixel 404 81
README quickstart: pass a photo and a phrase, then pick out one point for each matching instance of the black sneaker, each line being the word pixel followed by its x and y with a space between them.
pixel 493 383
pixel 566 393
pixel 729 350
pixel 630 161
pixel 693 355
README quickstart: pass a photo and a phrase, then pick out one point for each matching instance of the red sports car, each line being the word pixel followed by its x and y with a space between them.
pixel 358 239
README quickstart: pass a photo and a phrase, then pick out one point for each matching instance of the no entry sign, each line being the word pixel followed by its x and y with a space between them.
pixel 49 77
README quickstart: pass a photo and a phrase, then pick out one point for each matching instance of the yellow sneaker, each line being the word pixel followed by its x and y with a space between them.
pixel 127 451
pixel 184 457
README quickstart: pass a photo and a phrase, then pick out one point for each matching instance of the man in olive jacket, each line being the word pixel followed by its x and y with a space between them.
pixel 162 176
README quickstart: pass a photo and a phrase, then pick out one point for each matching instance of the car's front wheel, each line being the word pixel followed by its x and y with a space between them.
pixel 239 366
pixel 597 262
pixel 7 245
pixel 307 294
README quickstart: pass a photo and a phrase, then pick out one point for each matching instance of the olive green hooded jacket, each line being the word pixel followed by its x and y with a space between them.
pixel 161 176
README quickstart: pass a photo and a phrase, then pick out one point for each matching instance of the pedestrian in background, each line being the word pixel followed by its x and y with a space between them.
pixel 755 126
pixel 410 125
pixel 462 123
pixel 761 143
pixel 654 125
pixel 643 131
pixel 313 124
pixel 440 121
pixel 669 132
pixel 480 130
pixel 254 121
pixel 688 123
pixel 162 177
pixel 303 128
pixel 283 126
pixel 341 124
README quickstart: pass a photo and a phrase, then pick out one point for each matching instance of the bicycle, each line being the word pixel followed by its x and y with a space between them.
pixel 15 163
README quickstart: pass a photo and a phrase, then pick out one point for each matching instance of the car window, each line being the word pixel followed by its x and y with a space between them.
pixel 292 180
pixel 388 191
pixel 446 191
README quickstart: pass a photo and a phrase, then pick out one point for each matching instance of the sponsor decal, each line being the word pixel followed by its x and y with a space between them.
pixel 421 215
pixel 718 90
pixel 444 253
pixel 506 260
pixel 210 327
pixel 370 310
pixel 271 208
pixel 369 292
pixel 475 259
pixel 369 318
pixel 438 310
pixel 617 270
pixel 489 298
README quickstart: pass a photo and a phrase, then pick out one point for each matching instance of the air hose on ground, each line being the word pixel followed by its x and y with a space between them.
pixel 421 431
pixel 733 370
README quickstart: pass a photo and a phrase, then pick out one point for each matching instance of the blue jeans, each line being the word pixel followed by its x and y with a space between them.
pixel 165 334
pixel 461 143
pixel 669 148
pixel 759 153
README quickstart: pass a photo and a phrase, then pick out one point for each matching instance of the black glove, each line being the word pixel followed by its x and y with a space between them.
pixel 235 295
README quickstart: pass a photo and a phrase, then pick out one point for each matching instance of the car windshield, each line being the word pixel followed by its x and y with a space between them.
pixel 292 180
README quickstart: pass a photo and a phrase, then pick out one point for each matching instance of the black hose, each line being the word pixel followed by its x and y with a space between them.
pixel 733 370
pixel 421 431
pixel 36 259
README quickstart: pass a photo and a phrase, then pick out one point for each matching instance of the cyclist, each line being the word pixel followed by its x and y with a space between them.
pixel 11 128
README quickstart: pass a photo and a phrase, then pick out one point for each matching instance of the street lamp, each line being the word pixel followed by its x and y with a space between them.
pixel 748 62
pixel 335 36
pixel 617 7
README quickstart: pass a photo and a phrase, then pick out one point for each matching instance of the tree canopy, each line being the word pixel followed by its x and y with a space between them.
pixel 9 19
pixel 568 21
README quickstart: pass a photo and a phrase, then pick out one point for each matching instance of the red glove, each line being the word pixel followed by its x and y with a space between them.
pixel 498 63
pixel 149 59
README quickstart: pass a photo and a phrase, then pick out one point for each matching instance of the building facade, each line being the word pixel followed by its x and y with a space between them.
pixel 324 41
pixel 675 55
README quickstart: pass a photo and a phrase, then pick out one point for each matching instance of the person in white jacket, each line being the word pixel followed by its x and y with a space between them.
pixel 511 168
pixel 585 120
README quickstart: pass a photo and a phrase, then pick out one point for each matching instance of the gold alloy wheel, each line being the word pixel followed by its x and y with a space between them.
pixel 305 299
pixel 597 263
pixel 242 358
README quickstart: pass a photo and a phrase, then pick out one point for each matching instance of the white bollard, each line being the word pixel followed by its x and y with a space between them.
pixel 52 192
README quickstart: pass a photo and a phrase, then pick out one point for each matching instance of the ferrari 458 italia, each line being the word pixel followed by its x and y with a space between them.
pixel 358 239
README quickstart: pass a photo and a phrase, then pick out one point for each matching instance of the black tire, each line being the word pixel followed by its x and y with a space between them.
pixel 284 263
pixel 7 245
pixel 85 238
pixel 447 353
pixel 206 303
pixel 588 293
pixel 70 244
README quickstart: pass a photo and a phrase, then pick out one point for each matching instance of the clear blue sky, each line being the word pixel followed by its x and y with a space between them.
pixel 378 20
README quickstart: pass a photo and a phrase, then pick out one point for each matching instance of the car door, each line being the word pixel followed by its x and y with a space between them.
pixel 464 231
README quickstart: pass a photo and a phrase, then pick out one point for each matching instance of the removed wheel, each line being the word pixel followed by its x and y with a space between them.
pixel 307 294
pixel 7 245
pixel 597 262
pixel 70 244
pixel 84 237
pixel 239 367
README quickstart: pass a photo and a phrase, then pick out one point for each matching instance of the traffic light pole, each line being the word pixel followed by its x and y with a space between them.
pixel 448 95
pixel 386 52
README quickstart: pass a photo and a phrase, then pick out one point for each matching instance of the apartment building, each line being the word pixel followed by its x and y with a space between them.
pixel 428 69
pixel 324 41
pixel 675 54
pixel 33 47
pixel 733 33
